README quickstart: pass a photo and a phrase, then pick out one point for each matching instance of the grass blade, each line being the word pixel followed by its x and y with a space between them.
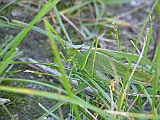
pixel 65 83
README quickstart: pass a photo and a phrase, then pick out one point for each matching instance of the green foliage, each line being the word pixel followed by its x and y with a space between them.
pixel 111 76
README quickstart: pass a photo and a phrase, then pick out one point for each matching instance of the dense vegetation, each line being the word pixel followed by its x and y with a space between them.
pixel 93 82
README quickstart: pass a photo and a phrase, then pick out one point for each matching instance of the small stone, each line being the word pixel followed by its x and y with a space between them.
pixel 4 100
pixel 40 75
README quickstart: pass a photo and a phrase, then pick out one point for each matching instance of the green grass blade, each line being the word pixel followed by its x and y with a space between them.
pixel 156 79
pixel 62 25
pixel 144 25
pixel 76 7
pixel 10 115
pixel 7 24
pixel 85 58
pixel 7 62
pixel 146 93
pixel 50 113
pixel 96 93
pixel 39 30
pixel 99 88
pixel 94 56
pixel 11 72
pixel 149 35
pixel 34 82
pixel 58 37
pixel 72 100
pixel 8 4
pixel 21 35
pixel 59 104
pixel 103 8
pixel 65 83
pixel 56 54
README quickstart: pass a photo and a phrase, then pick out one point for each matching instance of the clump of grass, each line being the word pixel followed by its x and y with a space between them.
pixel 103 103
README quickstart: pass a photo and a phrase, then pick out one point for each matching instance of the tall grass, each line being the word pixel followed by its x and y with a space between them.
pixel 103 103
